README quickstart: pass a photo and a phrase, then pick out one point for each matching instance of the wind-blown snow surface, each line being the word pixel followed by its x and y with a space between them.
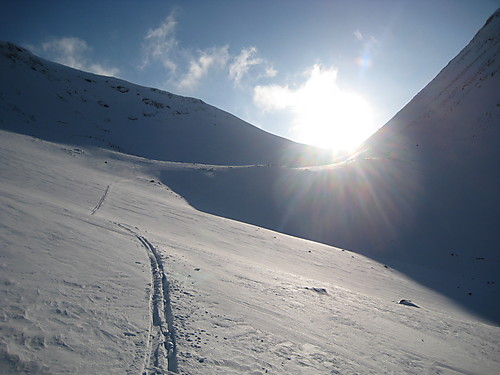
pixel 86 235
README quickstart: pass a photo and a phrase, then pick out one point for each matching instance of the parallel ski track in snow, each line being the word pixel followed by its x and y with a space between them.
pixel 164 346
pixel 161 348
pixel 104 195
pixel 161 352
pixel 98 205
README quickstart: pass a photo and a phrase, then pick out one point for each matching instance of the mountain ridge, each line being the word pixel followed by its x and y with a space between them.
pixel 147 122
pixel 484 51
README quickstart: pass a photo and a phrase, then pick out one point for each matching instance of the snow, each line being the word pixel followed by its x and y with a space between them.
pixel 421 195
pixel 111 113
pixel 71 287
pixel 138 237
pixel 77 284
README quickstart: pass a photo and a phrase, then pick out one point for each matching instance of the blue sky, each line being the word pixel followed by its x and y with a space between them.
pixel 322 72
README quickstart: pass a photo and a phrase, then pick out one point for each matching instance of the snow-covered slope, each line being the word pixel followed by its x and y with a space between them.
pixel 106 270
pixel 57 103
pixel 423 191
pixel 455 116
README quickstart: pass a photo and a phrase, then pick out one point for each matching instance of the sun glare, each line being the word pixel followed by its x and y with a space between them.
pixel 324 115
pixel 329 117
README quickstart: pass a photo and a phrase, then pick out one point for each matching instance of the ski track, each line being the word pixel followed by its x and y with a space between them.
pixel 161 347
pixel 98 205
pixel 456 370
pixel 104 195
pixel 161 350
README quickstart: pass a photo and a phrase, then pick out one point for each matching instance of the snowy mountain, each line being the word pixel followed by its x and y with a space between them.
pixel 422 191
pixel 108 263
pixel 91 110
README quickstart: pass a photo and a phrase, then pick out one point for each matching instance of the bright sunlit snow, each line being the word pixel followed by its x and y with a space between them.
pixel 82 232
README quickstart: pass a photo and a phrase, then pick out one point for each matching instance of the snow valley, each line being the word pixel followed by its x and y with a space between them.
pixel 143 232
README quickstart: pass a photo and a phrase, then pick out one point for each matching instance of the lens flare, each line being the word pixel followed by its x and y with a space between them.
pixel 324 114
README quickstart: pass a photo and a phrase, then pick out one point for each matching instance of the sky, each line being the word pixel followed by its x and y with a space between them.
pixel 327 73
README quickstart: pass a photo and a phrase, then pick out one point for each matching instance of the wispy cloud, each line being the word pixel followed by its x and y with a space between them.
pixel 185 68
pixel 74 52
pixel 162 46
pixel 199 67
pixel 160 43
pixel 358 35
pixel 270 72
pixel 247 59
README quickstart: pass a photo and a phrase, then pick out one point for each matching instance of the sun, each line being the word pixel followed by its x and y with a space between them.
pixel 329 117
pixel 323 114
pixel 340 124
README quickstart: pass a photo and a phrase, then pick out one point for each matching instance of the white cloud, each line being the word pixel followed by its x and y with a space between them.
pixel 159 44
pixel 247 59
pixel 104 71
pixel 69 50
pixel 186 68
pixel 271 72
pixel 358 35
pixel 210 58
pixel 242 63
pixel 273 97
pixel 323 113
pixel 73 52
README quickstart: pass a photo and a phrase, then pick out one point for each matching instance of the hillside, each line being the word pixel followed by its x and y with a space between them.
pixel 91 110
pixel 423 191
pixel 106 270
